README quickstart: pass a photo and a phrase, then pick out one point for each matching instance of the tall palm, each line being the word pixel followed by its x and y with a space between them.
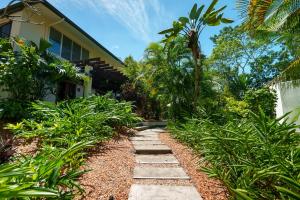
pixel 191 27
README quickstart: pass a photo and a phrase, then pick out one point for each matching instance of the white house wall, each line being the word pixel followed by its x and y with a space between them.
pixel 79 91
pixel 279 108
pixel 288 99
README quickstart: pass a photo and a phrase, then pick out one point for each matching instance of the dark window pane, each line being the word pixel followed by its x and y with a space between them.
pixel 85 54
pixel 5 30
pixel 76 52
pixel 55 40
pixel 66 48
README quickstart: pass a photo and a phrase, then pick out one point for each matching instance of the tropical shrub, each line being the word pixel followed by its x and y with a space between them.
pixel 236 108
pixel 52 173
pixel 29 74
pixel 66 130
pixel 72 121
pixel 11 109
pixel 256 159
pixel 263 98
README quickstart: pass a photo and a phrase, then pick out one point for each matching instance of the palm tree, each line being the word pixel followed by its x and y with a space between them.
pixel 191 27
pixel 279 18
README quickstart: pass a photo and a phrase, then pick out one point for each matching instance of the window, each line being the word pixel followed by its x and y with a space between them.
pixel 5 30
pixel 55 40
pixel 85 54
pixel 66 48
pixel 76 52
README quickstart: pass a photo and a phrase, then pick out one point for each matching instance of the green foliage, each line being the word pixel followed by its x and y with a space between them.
pixel 196 20
pixel 236 108
pixel 273 16
pixel 263 98
pixel 245 61
pixel 52 173
pixel 12 109
pixel 191 28
pixel 163 79
pixel 275 19
pixel 69 122
pixel 65 130
pixel 257 158
pixel 30 73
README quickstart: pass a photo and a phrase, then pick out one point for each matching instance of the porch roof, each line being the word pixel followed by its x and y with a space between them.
pixel 105 77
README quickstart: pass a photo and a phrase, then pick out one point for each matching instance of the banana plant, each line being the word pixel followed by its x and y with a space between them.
pixel 191 28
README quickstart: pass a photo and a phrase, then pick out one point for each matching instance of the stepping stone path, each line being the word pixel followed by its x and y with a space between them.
pixel 150 154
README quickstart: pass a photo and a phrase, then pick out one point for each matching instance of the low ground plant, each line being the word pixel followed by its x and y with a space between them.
pixel 256 158
pixel 52 173
pixel 65 131
pixel 69 122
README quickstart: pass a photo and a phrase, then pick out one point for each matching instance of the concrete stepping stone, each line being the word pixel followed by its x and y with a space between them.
pixel 152 149
pixel 144 139
pixel 160 173
pixel 156 159
pixel 158 130
pixel 162 192
pixel 147 134
pixel 141 128
pixel 150 142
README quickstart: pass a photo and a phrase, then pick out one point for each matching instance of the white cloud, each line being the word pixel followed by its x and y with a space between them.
pixel 139 16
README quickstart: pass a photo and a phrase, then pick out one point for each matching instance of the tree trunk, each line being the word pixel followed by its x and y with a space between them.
pixel 197 60
pixel 194 46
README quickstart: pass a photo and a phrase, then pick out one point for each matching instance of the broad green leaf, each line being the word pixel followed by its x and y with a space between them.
pixel 177 27
pixel 199 12
pixel 166 31
pixel 183 20
pixel 193 12
pixel 288 192
pixel 211 7
pixel 218 11
pixel 242 193
pixel 226 21
pixel 213 21
pixel 44 45
pixel 291 181
pixel 37 193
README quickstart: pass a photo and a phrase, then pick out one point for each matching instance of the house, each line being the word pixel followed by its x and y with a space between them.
pixel 288 99
pixel 69 42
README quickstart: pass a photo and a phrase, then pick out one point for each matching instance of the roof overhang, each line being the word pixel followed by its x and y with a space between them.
pixel 20 6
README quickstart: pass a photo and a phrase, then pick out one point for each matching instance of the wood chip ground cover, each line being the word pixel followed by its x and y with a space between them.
pixel 112 168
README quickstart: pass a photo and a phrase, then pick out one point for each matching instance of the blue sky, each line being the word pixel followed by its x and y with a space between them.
pixel 126 27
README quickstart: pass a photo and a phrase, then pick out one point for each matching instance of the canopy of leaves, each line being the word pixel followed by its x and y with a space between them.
pixel 257 60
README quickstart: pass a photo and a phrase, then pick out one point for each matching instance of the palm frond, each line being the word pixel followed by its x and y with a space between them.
pixel 272 15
